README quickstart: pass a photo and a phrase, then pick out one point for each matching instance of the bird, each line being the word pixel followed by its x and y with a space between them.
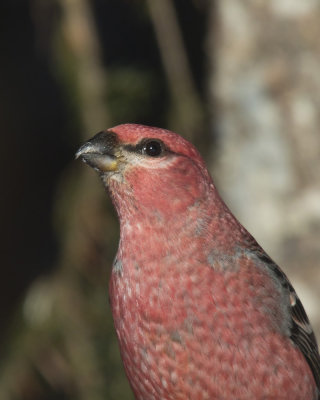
pixel 200 310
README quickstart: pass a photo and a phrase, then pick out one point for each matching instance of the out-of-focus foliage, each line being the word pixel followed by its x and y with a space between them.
pixel 133 94
pixel 238 79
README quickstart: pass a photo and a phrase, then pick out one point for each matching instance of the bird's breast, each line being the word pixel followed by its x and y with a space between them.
pixel 184 331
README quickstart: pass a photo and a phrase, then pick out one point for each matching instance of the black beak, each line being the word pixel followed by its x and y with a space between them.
pixel 99 152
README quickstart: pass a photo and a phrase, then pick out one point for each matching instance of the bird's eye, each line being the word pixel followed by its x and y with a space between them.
pixel 152 148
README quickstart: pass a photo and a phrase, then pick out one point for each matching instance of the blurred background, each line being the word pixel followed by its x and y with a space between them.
pixel 240 79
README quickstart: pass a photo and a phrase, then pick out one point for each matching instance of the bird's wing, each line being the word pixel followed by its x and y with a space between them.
pixel 301 332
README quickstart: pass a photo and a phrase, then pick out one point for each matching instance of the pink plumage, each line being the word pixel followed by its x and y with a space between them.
pixel 200 310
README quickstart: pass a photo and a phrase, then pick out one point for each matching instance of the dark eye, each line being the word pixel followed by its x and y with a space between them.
pixel 152 148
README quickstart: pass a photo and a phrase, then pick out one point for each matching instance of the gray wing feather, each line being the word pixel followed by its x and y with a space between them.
pixel 301 332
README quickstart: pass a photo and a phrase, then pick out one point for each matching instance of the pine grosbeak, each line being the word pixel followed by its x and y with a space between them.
pixel 200 310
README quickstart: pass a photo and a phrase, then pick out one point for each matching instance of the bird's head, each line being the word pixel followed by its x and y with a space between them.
pixel 147 168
